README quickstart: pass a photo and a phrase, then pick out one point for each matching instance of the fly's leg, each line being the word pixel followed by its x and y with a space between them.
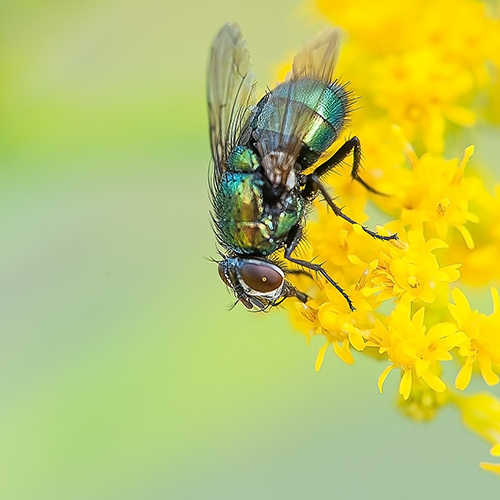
pixel 353 145
pixel 301 296
pixel 299 272
pixel 293 239
pixel 291 291
pixel 313 185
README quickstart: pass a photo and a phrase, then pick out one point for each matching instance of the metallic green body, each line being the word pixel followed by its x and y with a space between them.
pixel 242 159
pixel 247 223
pixel 250 220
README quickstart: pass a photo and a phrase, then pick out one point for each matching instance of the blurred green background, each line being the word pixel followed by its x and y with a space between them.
pixel 122 375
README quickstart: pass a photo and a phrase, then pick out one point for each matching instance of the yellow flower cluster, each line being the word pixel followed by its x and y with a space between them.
pixel 425 74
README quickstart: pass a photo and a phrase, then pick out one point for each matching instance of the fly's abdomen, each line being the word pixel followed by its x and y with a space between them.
pixel 324 107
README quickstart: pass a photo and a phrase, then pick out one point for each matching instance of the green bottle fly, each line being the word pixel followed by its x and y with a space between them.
pixel 261 150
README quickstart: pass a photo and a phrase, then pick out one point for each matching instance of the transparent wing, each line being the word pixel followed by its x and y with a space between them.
pixel 230 92
pixel 290 111
pixel 317 60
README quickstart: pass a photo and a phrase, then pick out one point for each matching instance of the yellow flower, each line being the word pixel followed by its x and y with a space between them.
pixel 423 402
pixel 481 413
pixel 413 349
pixel 415 69
pixel 335 240
pixel 428 81
pixel 419 90
pixel 469 36
pixel 482 263
pixel 332 319
pixel 482 341
pixel 437 195
pixel 495 451
pixel 412 271
pixel 342 328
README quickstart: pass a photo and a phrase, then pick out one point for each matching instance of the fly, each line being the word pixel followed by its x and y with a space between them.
pixel 259 190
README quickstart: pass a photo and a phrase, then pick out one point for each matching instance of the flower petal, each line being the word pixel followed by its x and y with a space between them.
pixel 356 340
pixel 434 382
pixel 489 376
pixel 343 352
pixel 405 384
pixel 490 467
pixel 464 376
pixel 320 356
pixel 383 376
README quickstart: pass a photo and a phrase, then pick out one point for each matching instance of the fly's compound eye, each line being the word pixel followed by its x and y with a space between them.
pixel 261 278
pixel 222 274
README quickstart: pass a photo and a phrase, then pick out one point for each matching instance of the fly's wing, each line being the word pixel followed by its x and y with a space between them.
pixel 318 58
pixel 289 112
pixel 230 92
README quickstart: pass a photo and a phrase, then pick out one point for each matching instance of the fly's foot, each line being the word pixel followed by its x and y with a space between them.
pixel 378 236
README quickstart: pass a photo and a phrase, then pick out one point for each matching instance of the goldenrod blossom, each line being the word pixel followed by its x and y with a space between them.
pixel 482 338
pixel 412 271
pixel 411 348
pixel 423 402
pixel 495 451
pixel 481 413
pixel 423 83
pixel 437 195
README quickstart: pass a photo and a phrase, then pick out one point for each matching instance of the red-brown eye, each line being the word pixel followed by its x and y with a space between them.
pixel 261 278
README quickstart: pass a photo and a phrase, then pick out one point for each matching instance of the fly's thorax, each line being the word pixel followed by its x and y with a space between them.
pixel 248 224
pixel 240 214
pixel 279 169
pixel 255 282
pixel 289 213
pixel 242 159
pixel 239 197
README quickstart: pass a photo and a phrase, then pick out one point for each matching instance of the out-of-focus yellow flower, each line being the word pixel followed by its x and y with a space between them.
pixel 495 451
pixel 481 413
pixel 480 264
pixel 418 90
pixel 420 66
pixel 423 402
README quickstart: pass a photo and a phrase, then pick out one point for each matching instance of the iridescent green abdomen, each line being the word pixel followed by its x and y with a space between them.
pixel 246 222
pixel 326 108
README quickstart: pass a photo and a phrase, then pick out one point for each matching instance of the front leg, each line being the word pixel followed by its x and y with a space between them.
pixel 313 184
pixel 293 239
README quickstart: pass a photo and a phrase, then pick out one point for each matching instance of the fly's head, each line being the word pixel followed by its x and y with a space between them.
pixel 257 282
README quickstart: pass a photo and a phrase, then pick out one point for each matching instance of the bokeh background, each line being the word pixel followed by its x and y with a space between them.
pixel 122 375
